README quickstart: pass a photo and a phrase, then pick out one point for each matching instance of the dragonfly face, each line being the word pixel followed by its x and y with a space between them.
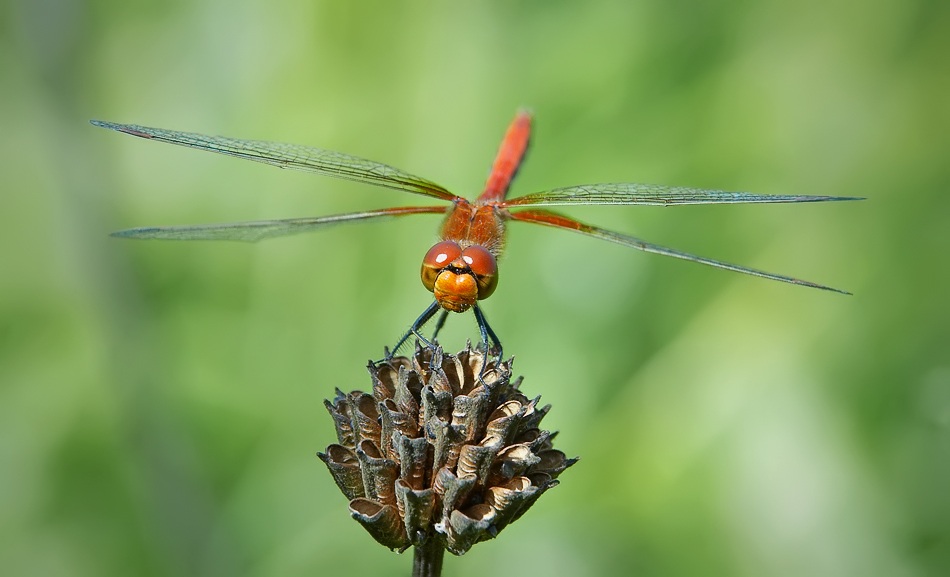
pixel 459 277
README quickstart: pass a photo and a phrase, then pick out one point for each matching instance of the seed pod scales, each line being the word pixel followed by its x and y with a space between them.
pixel 437 453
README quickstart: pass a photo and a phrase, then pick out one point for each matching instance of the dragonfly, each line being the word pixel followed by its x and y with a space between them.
pixel 461 269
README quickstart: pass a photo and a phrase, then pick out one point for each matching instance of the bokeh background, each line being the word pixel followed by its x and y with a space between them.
pixel 161 403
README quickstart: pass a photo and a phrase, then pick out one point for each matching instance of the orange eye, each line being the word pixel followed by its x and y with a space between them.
pixel 438 257
pixel 483 265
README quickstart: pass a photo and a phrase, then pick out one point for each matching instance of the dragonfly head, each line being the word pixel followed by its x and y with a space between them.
pixel 459 277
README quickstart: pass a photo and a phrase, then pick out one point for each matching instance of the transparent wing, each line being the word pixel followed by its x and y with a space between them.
pixel 259 230
pixel 654 194
pixel 294 156
pixel 548 218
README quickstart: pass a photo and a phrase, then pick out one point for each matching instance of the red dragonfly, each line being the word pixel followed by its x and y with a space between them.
pixel 461 269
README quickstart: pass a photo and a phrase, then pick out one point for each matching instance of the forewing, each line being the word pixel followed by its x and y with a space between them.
pixel 293 156
pixel 259 230
pixel 548 218
pixel 652 194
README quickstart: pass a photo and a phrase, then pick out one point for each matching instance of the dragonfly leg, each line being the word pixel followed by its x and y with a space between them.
pixel 438 325
pixel 487 334
pixel 425 317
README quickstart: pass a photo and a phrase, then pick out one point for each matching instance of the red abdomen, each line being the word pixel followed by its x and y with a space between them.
pixel 509 158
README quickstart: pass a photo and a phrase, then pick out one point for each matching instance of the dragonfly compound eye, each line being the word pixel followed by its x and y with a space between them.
pixel 438 257
pixel 482 264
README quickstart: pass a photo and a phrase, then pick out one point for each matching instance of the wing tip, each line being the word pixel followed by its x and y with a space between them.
pixel 137 233
pixel 126 128
pixel 822 287
pixel 839 291
pixel 834 198
pixel 106 124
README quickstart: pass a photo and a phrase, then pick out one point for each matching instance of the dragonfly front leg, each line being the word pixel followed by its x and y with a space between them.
pixel 487 334
pixel 439 324
pixel 425 317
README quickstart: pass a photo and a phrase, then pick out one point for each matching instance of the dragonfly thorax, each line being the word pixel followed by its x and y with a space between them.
pixel 459 277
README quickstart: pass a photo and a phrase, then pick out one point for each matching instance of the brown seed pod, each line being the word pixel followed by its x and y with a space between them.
pixel 437 453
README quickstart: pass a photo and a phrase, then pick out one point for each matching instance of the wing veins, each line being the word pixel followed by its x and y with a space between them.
pixel 556 220
pixel 295 157
pixel 630 193
pixel 253 231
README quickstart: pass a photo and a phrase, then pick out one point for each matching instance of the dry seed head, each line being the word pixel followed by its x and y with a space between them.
pixel 437 453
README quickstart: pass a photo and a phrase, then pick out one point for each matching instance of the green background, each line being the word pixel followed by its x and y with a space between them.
pixel 160 403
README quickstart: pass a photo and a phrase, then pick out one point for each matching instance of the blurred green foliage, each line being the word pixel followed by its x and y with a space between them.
pixel 160 403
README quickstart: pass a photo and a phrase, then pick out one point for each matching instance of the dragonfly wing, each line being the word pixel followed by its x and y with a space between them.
pixel 259 230
pixel 293 156
pixel 548 218
pixel 653 194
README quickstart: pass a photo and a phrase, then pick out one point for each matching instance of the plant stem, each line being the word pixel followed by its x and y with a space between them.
pixel 427 559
